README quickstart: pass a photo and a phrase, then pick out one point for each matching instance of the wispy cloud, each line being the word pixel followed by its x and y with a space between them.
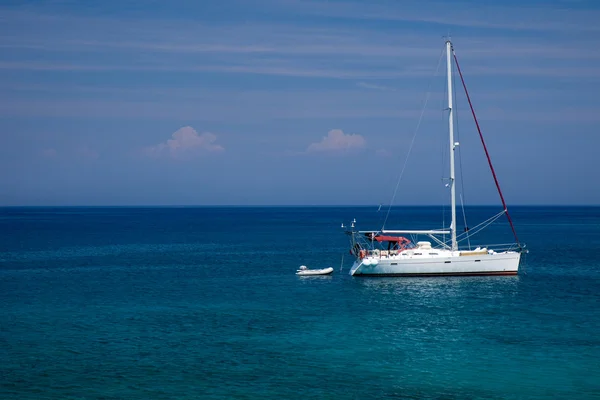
pixel 336 140
pixel 541 18
pixel 201 105
pixel 185 142
pixel 308 71
pixel 291 50
pixel 82 152
pixel 375 87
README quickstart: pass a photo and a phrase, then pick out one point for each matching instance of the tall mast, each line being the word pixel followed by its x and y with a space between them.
pixel 452 144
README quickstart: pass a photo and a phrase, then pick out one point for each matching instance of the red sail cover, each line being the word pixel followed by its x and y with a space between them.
pixel 397 239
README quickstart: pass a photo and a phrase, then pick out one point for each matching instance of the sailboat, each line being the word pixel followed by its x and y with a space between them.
pixel 389 253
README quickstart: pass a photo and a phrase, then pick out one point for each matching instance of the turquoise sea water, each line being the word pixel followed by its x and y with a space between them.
pixel 185 303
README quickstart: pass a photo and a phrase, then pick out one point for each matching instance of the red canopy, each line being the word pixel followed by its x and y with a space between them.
pixel 397 239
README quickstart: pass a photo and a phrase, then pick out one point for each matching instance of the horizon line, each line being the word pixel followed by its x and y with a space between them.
pixel 283 205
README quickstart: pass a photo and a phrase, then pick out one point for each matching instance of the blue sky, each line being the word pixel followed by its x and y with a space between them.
pixel 293 101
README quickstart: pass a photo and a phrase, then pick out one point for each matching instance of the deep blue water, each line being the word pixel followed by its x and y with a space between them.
pixel 178 303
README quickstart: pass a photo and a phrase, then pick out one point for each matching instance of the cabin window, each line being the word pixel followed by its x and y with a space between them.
pixel 418 254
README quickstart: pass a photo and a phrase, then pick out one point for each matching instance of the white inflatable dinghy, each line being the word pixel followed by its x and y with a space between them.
pixel 305 271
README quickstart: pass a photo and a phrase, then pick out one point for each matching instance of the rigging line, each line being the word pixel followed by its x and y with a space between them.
pixel 486 151
pixel 486 222
pixel 460 164
pixel 478 230
pixel 462 181
pixel 482 226
pixel 439 241
pixel 413 139
pixel 462 204
pixel 444 150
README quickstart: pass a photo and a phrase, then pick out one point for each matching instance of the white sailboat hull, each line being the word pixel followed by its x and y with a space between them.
pixel 505 263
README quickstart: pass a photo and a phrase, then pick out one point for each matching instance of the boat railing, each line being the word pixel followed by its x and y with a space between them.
pixel 498 248
pixel 383 253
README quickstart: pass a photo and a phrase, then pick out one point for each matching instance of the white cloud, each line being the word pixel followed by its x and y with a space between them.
pixel 337 140
pixel 185 140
